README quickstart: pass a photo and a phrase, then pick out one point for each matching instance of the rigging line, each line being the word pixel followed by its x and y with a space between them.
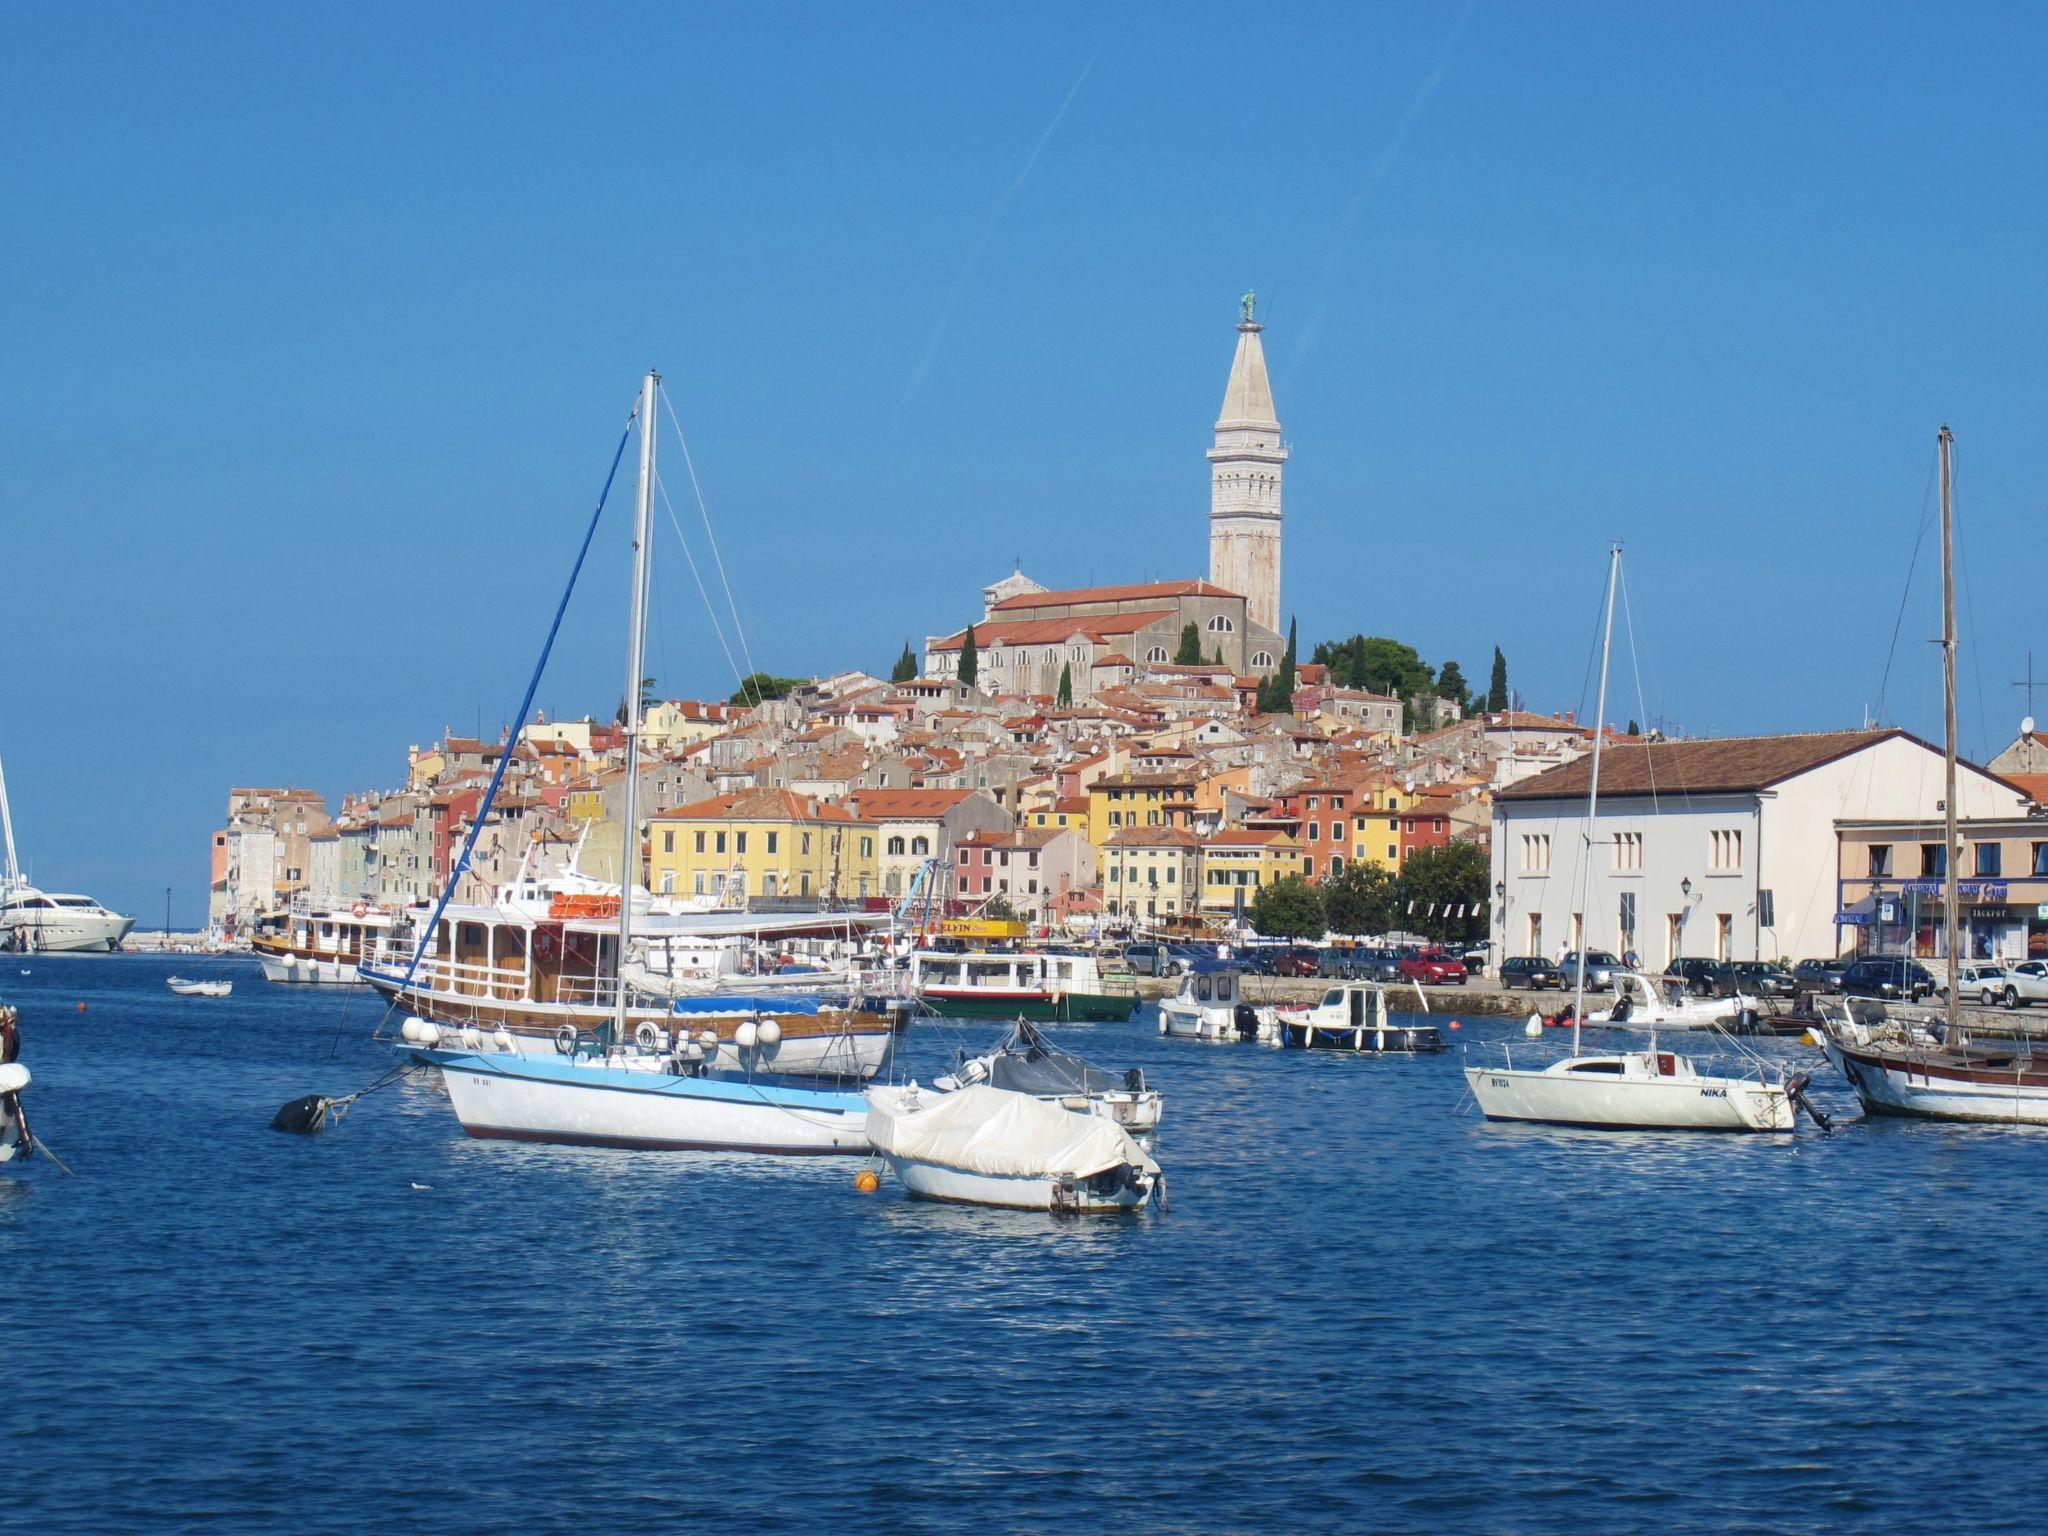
pixel 483 811
pixel 1926 521
pixel 1984 742
pixel 1635 666
pixel 710 610
pixel 739 629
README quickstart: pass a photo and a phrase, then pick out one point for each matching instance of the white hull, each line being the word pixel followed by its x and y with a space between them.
pixel 1682 1102
pixel 309 970
pixel 515 1099
pixel 928 1181
pixel 1194 1023
pixel 202 988
pixel 60 933
pixel 1891 1086
pixel 852 1056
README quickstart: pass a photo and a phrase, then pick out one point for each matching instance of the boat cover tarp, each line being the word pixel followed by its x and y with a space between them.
pixel 750 1002
pixel 1003 1135
pixel 1025 1063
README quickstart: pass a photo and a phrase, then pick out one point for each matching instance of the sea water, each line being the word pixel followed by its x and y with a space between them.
pixel 1364 1309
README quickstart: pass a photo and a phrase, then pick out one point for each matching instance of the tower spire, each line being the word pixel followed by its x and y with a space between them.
pixel 1244 480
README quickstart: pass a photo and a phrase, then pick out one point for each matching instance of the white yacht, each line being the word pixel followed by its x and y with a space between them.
pixel 48 920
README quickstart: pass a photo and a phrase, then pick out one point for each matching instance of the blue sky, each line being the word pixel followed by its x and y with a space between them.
pixel 322 324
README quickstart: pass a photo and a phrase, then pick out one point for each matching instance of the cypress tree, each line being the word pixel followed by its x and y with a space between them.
pixel 1190 652
pixel 1064 699
pixel 970 663
pixel 906 665
pixel 1497 689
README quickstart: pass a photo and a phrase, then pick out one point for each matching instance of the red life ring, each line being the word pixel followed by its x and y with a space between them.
pixel 360 909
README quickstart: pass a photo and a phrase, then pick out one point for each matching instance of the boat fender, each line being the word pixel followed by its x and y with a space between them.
pixel 770 1033
pixel 13 1077
pixel 502 1040
pixel 472 1038
pixel 565 1040
pixel 1534 1028
pixel 410 1030
pixel 746 1036
pixel 647 1037
pixel 707 1037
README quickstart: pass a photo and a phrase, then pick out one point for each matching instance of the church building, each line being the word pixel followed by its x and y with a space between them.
pixel 1027 635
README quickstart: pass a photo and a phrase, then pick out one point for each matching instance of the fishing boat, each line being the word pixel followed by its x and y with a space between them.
pixel 1352 1016
pixel 1650 1089
pixel 1026 1062
pixel 15 1140
pixel 322 946
pixel 980 1145
pixel 219 987
pixel 551 960
pixel 1900 1064
pixel 1017 984
pixel 1211 1005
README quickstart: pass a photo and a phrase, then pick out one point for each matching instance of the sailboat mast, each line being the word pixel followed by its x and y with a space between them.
pixel 1593 796
pixel 10 876
pixel 1950 915
pixel 636 668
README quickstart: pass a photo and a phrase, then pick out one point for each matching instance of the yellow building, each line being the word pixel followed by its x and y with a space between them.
pixel 1378 819
pixel 1237 864
pixel 767 843
pixel 1071 813
pixel 685 722
pixel 1137 800
pixel 1151 872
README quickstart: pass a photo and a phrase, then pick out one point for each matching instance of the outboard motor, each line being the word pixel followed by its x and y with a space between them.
pixel 1134 1079
pixel 1246 1019
pixel 1795 1090
pixel 1623 1007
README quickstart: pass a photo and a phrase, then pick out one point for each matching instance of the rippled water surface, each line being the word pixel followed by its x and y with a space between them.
pixel 1366 1309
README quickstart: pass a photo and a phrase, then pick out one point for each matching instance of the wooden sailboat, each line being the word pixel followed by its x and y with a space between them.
pixel 1637 1090
pixel 1896 1063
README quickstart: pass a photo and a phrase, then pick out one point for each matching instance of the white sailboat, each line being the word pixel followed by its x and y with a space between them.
pixel 615 1079
pixel 1897 1064
pixel 1637 1090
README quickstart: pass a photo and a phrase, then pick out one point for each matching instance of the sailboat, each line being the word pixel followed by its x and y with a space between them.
pixel 1650 1089
pixel 609 1081
pixel 1895 1062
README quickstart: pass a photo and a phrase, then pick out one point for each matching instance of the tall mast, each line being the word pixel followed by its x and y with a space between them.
pixel 1949 913
pixel 636 668
pixel 1593 795
pixel 10 874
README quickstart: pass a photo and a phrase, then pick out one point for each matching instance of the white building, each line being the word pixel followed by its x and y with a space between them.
pixel 1244 482
pixel 1723 849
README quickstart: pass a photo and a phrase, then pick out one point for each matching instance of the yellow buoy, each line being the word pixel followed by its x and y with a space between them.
pixel 867 1181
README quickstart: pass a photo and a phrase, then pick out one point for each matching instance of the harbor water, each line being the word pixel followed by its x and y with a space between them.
pixel 1365 1309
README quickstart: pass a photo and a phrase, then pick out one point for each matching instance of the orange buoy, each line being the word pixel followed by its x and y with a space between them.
pixel 867 1181
pixel 81 1007
pixel 1456 1025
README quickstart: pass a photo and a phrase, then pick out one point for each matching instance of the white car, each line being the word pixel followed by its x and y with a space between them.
pixel 2029 980
pixel 1991 985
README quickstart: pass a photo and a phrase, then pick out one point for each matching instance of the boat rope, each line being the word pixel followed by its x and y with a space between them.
pixel 704 511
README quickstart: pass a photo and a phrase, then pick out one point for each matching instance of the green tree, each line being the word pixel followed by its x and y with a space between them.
pixel 1449 879
pixel 757 686
pixel 1218 661
pixel 997 909
pixel 1288 909
pixel 906 666
pixel 1276 693
pixel 970 662
pixel 649 697
pixel 1360 898
pixel 1064 699
pixel 1376 663
pixel 1190 652
pixel 1450 684
pixel 1634 729
pixel 1497 688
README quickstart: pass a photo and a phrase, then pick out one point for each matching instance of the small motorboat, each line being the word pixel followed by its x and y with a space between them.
pixel 1663 1003
pixel 987 1146
pixel 1211 1005
pixel 185 988
pixel 1026 1062
pixel 1352 1016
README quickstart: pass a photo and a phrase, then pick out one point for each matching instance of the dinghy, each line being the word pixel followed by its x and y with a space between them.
pixel 184 988
pixel 984 1146
pixel 1026 1062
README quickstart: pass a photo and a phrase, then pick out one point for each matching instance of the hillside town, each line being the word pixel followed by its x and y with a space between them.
pixel 1156 757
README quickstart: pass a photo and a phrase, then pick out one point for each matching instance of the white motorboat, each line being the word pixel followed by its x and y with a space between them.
pixel 1663 1002
pixel 1352 1016
pixel 15 1140
pixel 214 988
pixel 1026 1062
pixel 657 1101
pixel 1211 1005
pixel 1637 1090
pixel 984 1146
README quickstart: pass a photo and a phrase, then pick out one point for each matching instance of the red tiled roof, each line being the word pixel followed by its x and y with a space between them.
pixel 1096 627
pixel 905 804
pixel 758 805
pixel 1076 595
pixel 1718 765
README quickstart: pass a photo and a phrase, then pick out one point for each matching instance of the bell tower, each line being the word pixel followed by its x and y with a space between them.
pixel 1244 480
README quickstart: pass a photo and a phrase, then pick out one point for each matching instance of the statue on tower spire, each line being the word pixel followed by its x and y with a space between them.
pixel 1247 305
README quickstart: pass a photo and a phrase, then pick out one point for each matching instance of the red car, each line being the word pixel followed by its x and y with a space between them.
pixel 1433 965
pixel 1297 961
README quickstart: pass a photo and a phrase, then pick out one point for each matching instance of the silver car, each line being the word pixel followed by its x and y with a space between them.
pixel 1599 966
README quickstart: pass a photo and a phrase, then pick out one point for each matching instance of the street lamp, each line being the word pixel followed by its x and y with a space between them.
pixel 1685 886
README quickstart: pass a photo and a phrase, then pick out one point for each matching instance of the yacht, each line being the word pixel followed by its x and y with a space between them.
pixel 47 920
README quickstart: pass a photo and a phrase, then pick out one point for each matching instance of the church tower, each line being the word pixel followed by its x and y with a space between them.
pixel 1244 481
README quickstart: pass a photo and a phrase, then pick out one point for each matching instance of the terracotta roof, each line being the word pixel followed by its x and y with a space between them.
pixel 1023 837
pixel 905 804
pixel 2033 785
pixel 1153 837
pixel 758 805
pixel 1714 766
pixel 1097 627
pixel 1076 595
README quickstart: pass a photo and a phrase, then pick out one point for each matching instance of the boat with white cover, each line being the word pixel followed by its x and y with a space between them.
pixel 984 1146
pixel 1026 1062
pixel 1211 1005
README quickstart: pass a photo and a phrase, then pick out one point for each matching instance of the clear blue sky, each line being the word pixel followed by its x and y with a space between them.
pixel 321 323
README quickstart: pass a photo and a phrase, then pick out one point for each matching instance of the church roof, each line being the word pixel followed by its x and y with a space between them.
pixel 1097 627
pixel 1143 592
pixel 1248 399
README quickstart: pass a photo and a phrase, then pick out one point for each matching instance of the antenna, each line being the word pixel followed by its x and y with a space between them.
pixel 2028 683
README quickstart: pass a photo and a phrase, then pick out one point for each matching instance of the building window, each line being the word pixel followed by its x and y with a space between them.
pixel 718 842
pixel 668 842
pixel 773 839
pixel 1156 654
pixel 1628 920
pixel 1933 866
pixel 895 845
pixel 1726 850
pixel 1990 860
pixel 1628 850
pixel 1535 851
pixel 1880 860
pixel 867 847
pixel 1221 625
pixel 739 842
pixel 2041 860
pixel 1315 832
pixel 1724 931
pixel 1262 658
pixel 807 846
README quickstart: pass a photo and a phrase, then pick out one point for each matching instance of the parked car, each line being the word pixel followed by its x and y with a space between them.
pixel 1435 965
pixel 1298 960
pixel 1530 971
pixel 2029 981
pixel 1761 978
pixel 1148 959
pixel 1706 978
pixel 1475 960
pixel 1820 975
pixel 1888 976
pixel 1599 966
pixel 1989 984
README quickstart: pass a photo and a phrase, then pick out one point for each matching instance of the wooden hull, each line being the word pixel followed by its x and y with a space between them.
pixel 1922 1085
